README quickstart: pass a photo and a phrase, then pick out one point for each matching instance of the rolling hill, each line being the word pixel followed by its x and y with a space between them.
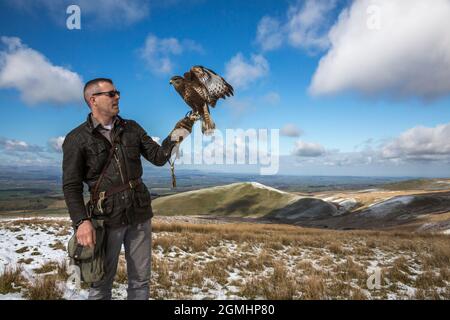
pixel 364 209
pixel 247 199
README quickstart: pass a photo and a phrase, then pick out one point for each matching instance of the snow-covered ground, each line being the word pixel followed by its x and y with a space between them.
pixel 344 204
pixel 32 243
pixel 384 207
pixel 225 269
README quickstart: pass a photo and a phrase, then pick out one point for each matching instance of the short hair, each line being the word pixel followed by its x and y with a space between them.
pixel 91 86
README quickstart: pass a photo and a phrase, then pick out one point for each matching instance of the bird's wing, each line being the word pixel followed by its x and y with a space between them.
pixel 193 97
pixel 216 86
pixel 188 76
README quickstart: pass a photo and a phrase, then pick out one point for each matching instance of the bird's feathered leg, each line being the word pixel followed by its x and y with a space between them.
pixel 208 125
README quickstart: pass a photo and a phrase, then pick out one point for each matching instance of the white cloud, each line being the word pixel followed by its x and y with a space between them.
pixel 158 53
pixel 55 144
pixel 308 149
pixel 305 26
pixel 35 77
pixel 269 33
pixel 241 73
pixel 291 130
pixel 420 143
pixel 12 145
pixel 407 56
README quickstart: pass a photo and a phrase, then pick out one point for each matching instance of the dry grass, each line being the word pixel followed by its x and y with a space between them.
pixel 271 261
pixel 279 285
pixel 46 268
pixel 312 288
pixel 121 275
pixel 45 288
pixel 58 245
pixel 214 270
pixel 61 268
pixel 25 261
pixel 22 250
pixel 439 255
pixel 259 254
pixel 11 280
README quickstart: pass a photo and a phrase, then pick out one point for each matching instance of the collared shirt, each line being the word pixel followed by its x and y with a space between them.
pixel 106 132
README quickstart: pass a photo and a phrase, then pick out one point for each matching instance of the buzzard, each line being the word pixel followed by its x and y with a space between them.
pixel 200 88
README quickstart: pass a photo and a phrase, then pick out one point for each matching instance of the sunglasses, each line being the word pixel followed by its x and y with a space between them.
pixel 110 94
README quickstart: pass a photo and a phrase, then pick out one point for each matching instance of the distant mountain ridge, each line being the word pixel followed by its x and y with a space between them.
pixel 366 209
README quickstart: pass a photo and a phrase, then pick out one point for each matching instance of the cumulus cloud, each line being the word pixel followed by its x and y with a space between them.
pixel 291 130
pixel 305 26
pixel 158 53
pixel 416 145
pixel 240 72
pixel 308 149
pixel 55 144
pixel 395 48
pixel 12 145
pixel 35 77
pixel 420 143
pixel 269 33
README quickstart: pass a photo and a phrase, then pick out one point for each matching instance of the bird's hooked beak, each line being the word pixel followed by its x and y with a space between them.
pixel 170 82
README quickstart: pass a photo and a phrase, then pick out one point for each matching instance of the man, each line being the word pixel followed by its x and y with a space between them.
pixel 126 209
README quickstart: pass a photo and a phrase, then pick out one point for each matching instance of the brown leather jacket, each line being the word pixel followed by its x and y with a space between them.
pixel 85 152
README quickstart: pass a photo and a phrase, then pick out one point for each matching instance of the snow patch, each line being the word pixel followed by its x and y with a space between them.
pixel 262 186
pixel 384 207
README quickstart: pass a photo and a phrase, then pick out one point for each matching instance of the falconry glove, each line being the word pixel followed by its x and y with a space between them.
pixel 182 129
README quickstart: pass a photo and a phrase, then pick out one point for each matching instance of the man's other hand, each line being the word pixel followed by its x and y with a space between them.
pixel 86 234
pixel 185 123
pixel 182 129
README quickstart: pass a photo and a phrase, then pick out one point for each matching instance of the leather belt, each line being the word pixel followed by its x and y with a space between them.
pixel 116 189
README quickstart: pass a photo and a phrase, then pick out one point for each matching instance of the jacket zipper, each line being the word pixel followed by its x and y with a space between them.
pixel 118 165
pixel 117 157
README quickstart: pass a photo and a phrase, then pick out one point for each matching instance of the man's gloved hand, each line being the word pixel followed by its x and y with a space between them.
pixel 182 129
pixel 185 123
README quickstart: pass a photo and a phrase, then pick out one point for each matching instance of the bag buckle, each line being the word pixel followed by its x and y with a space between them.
pixel 99 201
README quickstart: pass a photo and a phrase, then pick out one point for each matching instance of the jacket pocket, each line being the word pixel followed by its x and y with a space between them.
pixel 96 156
pixel 142 197
pixel 133 152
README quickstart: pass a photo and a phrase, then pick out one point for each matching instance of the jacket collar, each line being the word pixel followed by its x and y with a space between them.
pixel 118 122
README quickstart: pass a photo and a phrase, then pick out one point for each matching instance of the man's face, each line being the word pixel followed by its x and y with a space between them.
pixel 103 103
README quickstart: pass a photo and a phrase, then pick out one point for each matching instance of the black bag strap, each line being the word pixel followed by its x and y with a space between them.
pixel 102 174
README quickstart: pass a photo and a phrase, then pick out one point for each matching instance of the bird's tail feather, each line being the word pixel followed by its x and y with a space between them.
pixel 208 124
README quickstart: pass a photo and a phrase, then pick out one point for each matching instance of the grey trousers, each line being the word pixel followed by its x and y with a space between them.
pixel 137 242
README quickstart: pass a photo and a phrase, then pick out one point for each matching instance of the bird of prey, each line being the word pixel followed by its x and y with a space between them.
pixel 200 88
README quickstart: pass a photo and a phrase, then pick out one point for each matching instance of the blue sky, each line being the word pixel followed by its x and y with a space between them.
pixel 356 87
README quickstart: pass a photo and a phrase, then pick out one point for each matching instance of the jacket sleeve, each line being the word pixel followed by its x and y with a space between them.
pixel 73 173
pixel 152 151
